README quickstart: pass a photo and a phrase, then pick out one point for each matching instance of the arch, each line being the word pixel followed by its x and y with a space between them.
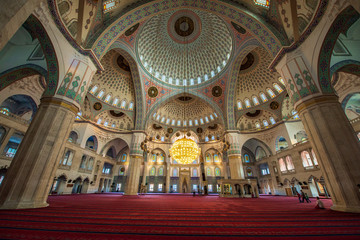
pixel 119 144
pixel 73 137
pixel 192 93
pixel 138 84
pixel 306 159
pixel 152 171
pixel 343 66
pixel 259 153
pixel 341 24
pixel 111 152
pixel 281 143
pixel 246 47
pixel 36 29
pixel 12 75
pixel 253 143
pixel 92 143
pixel 161 171
pixel 351 105
pixel 20 105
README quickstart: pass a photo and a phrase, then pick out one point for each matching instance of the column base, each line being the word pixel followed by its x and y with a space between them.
pixel 353 209
pixel 23 205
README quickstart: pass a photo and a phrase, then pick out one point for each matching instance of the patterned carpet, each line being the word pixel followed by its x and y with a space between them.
pixel 113 216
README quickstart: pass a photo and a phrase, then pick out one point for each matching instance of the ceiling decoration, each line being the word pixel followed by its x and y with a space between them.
pixel 116 81
pixel 131 30
pixel 255 77
pixel 216 91
pixel 184 47
pixel 97 106
pixel 153 92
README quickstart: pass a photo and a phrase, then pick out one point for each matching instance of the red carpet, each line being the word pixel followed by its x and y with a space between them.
pixel 112 216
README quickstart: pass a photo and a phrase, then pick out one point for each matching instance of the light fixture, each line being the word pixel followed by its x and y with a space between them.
pixel 184 151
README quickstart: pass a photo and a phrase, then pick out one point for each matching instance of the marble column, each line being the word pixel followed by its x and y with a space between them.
pixel 9 133
pixel 225 170
pixel 338 148
pixel 136 159
pixel 145 172
pixel 29 178
pixel 167 187
pixel 236 167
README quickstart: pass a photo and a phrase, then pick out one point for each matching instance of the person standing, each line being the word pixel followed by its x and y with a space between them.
pixel 307 198
pixel 302 196
pixel 299 196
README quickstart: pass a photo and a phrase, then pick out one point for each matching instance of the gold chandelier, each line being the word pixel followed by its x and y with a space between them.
pixel 184 151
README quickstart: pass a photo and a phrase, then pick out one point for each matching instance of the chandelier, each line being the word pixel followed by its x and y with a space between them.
pixel 184 151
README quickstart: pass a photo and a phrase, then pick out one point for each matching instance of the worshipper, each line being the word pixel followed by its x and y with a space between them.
pixel 307 198
pixel 319 204
pixel 299 196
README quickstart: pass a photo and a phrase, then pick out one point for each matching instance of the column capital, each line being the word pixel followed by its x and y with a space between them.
pixel 60 102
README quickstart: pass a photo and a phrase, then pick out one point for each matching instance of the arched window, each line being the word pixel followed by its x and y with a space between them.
pixel 168 121
pixel 194 172
pixel 93 90
pixel 255 100
pixel 265 123
pixel 201 121
pixel 206 139
pixel 295 114
pixel 272 120
pixel 246 158
pixel 175 172
pixel 90 163
pixel 282 81
pixel 162 158
pixel 263 97
pixel 173 122
pixel 131 106
pixel 101 93
pixel 153 159
pixel 289 163
pixel 282 165
pixel 278 88
pixel 217 172
pixel 162 119
pixel 263 3
pixel 314 157
pixel 121 171
pixel 67 161
pixel 115 102
pixel 123 157
pixel 73 137
pixel 99 121
pixel 196 122
pixel 161 171
pixel 123 104
pixel 83 162
pixel 106 123
pixel 257 125
pixel 306 160
pixel 206 119
pixel 208 172
pixel 208 158
pixel 178 123
pixel 108 97
pixel 216 158
pixel 247 103
pixel 152 171
pixel 211 117
pixel 270 92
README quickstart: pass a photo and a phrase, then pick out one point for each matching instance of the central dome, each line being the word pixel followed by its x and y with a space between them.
pixel 184 47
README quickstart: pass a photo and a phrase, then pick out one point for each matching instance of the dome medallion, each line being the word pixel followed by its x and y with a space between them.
pixel 185 47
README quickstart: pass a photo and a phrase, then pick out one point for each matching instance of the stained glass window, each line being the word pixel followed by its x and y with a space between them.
pixel 208 172
pixel 282 81
pixel 217 172
pixel 175 173
pixel 257 125
pixel 93 90
pixel 101 93
pixel 131 106
pixel 289 163
pixel 208 158
pixel 107 99
pixel 152 171
pixel 246 158
pixel 123 104
pixel 194 172
pixel 216 158
pixel 153 158
pixel 306 160
pixel 161 171
pixel 162 158
pixel 115 102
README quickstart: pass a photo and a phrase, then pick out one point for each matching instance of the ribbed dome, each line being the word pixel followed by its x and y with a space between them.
pixel 178 45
